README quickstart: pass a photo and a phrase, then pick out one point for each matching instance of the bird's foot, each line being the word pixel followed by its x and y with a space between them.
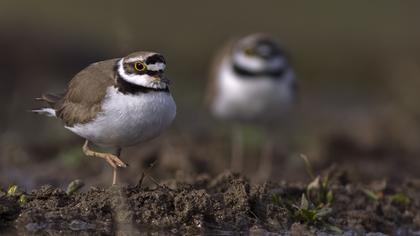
pixel 114 161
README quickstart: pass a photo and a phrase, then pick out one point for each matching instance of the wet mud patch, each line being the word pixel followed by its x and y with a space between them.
pixel 227 203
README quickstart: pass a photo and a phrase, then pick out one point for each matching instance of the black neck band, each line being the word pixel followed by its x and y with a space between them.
pixel 129 88
pixel 274 74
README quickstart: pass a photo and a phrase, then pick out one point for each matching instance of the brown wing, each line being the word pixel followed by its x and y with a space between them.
pixel 221 55
pixel 85 93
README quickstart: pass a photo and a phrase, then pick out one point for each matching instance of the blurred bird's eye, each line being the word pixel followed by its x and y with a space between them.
pixel 140 66
pixel 249 51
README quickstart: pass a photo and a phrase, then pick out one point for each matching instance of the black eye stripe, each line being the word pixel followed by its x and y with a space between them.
pixel 157 58
pixel 129 69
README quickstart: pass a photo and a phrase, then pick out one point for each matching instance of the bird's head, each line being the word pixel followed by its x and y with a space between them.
pixel 144 69
pixel 258 54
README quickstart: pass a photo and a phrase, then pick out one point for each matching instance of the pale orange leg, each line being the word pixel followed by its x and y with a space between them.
pixel 113 160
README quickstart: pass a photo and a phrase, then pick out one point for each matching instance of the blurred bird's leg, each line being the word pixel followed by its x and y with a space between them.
pixel 265 166
pixel 237 158
pixel 113 160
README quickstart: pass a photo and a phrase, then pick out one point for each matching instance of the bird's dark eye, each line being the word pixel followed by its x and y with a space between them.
pixel 249 51
pixel 140 66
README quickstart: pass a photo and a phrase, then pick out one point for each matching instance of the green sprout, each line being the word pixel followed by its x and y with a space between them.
pixel 307 212
pixel 372 195
pixel 13 190
pixel 314 207
pixel 74 186
pixel 400 199
pixel 22 200
pixel 318 191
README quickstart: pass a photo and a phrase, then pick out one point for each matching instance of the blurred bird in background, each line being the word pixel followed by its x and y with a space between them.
pixel 251 82
pixel 116 103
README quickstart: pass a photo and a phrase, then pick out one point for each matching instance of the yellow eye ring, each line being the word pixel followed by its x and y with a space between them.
pixel 140 66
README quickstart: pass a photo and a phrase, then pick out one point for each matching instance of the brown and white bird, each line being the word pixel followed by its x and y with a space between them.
pixel 251 81
pixel 116 103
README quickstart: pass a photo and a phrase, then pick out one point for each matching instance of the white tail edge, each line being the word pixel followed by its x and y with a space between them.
pixel 45 111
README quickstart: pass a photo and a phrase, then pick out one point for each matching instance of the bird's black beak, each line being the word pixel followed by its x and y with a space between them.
pixel 160 78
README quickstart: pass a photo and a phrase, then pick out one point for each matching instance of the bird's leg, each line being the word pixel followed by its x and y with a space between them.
pixel 114 173
pixel 113 160
pixel 266 162
pixel 237 150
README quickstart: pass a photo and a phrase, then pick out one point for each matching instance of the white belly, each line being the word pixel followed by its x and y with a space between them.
pixel 128 119
pixel 251 99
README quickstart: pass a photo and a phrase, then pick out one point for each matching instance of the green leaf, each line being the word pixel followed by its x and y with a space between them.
pixel 400 199
pixel 308 166
pixel 276 199
pixel 74 186
pixel 304 203
pixel 315 184
pixel 334 229
pixel 330 197
pixel 23 200
pixel 325 182
pixel 321 213
pixel 12 190
pixel 371 194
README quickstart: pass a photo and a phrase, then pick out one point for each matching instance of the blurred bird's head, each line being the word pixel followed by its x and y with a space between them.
pixel 258 54
pixel 144 69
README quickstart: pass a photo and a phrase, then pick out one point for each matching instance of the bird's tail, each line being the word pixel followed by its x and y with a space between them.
pixel 51 100
pixel 45 111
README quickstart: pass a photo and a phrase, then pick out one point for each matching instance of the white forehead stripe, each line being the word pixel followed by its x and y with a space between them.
pixel 130 60
pixel 257 64
pixel 156 67
pixel 252 63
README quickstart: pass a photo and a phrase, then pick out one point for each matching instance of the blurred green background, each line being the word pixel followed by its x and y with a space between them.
pixel 358 65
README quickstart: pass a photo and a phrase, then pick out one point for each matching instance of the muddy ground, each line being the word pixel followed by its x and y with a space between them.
pixel 372 188
pixel 224 204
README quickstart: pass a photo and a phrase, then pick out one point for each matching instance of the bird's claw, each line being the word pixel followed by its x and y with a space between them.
pixel 115 162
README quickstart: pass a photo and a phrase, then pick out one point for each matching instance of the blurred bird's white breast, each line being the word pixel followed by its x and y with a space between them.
pixel 251 98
